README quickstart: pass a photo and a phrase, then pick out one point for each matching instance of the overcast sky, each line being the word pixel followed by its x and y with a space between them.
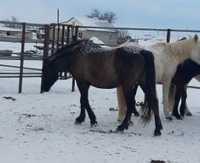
pixel 134 13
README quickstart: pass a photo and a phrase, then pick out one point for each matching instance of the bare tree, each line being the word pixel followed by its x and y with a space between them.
pixel 95 13
pixel 108 16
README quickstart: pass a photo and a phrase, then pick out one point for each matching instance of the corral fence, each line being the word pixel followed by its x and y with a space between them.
pixel 51 37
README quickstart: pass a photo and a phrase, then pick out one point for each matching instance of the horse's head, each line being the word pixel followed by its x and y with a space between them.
pixel 195 55
pixel 50 76
pixel 60 61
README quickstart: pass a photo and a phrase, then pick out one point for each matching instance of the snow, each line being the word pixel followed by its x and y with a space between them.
pixel 96 40
pixel 4 28
pixel 16 47
pixel 40 128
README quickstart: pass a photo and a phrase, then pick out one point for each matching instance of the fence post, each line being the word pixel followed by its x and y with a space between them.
pixel 58 36
pixel 22 57
pixel 53 38
pixel 63 35
pixel 168 35
pixel 68 34
pixel 45 53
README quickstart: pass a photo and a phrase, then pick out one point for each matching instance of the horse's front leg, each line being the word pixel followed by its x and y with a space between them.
pixel 83 88
pixel 91 114
pixel 184 107
pixel 166 107
pixel 177 100
pixel 81 117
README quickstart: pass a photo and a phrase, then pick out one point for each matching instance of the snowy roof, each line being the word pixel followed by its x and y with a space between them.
pixel 96 40
pixel 92 22
pixel 4 28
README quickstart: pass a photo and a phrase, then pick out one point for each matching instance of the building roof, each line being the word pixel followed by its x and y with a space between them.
pixel 4 28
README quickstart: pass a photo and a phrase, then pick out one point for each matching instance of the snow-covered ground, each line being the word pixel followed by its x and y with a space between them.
pixel 40 128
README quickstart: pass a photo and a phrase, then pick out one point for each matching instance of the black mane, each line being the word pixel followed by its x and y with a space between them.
pixel 62 51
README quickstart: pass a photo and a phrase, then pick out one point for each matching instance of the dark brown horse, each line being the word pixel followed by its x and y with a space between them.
pixel 90 64
pixel 184 74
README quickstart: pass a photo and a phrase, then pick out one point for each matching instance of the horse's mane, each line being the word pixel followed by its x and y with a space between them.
pixel 59 52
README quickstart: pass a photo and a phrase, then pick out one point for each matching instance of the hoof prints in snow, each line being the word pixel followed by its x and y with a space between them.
pixel 114 132
pixel 9 98
pixel 33 122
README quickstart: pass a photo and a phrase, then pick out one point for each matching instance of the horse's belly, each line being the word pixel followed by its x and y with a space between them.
pixel 105 86
pixel 104 82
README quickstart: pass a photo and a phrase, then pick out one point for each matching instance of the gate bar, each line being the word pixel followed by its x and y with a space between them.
pixel 22 57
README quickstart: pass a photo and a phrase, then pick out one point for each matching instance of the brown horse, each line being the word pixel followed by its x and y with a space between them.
pixel 91 64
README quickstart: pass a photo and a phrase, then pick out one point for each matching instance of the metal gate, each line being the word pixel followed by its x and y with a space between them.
pixel 56 37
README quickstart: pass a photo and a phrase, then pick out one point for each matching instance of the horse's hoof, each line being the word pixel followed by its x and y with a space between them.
pixel 177 116
pixel 157 133
pixel 131 123
pixel 169 118
pixel 122 127
pixel 188 114
pixel 79 120
pixel 136 113
pixel 93 123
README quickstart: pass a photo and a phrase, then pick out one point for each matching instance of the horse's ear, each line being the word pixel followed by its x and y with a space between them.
pixel 196 38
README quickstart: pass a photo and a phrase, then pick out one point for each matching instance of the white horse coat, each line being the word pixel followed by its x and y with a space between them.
pixel 167 56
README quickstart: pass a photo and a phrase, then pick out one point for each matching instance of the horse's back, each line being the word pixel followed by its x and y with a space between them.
pixel 129 64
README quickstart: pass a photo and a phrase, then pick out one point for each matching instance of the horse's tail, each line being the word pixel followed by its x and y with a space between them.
pixel 150 85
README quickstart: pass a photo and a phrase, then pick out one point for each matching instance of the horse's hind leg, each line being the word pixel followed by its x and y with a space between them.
pixel 83 88
pixel 152 105
pixel 135 112
pixel 166 107
pixel 122 103
pixel 184 107
pixel 130 104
